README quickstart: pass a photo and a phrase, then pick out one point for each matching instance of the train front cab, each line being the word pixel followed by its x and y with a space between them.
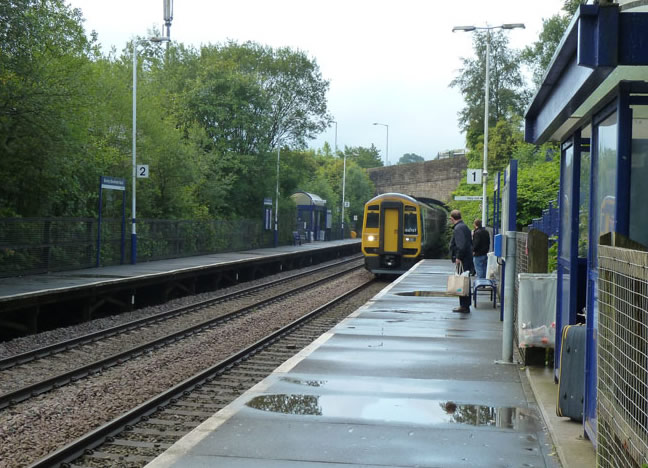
pixel 391 237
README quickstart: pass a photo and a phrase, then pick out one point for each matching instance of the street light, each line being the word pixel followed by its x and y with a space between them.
pixel 168 15
pixel 387 145
pixel 276 223
pixel 486 90
pixel 134 199
pixel 343 177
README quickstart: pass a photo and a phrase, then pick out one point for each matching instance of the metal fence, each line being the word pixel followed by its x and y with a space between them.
pixel 622 358
pixel 521 266
pixel 40 245
pixel 549 223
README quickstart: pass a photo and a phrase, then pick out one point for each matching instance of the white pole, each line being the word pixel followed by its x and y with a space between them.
pixel 485 171
pixel 134 228
pixel 343 179
pixel 276 226
pixel 387 147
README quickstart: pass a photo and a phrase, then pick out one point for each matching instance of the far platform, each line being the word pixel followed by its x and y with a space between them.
pixel 92 291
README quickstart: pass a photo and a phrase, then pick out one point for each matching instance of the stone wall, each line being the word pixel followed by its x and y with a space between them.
pixel 430 179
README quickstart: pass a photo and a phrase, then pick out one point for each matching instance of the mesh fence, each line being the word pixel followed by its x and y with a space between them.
pixel 521 266
pixel 622 358
pixel 40 245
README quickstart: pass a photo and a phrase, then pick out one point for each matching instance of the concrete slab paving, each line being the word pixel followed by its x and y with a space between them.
pixel 402 382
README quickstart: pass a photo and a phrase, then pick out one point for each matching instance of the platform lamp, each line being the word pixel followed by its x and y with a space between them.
pixel 343 178
pixel 486 90
pixel 136 43
pixel 168 16
pixel 276 220
pixel 386 144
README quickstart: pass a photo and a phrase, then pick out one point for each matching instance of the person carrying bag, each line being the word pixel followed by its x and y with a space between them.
pixel 461 251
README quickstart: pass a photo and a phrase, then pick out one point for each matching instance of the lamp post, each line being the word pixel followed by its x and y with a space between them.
pixel 168 16
pixel 134 198
pixel 276 223
pixel 343 178
pixel 486 91
pixel 387 144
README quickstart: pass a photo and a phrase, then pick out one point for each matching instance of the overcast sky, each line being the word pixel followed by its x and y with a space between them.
pixel 387 61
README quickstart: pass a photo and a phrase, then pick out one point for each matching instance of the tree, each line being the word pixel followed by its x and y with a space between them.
pixel 409 158
pixel 539 54
pixel 507 95
pixel 44 58
pixel 364 157
pixel 260 95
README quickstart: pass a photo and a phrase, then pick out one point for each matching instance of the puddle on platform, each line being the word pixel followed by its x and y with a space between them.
pixel 307 382
pixel 414 411
pixel 426 294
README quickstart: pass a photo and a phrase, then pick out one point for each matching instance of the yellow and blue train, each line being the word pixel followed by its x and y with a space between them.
pixel 399 230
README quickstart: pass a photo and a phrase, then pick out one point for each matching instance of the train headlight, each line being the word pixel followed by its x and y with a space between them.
pixel 410 239
pixel 372 238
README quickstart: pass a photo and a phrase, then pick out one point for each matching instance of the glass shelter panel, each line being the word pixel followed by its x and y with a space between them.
pixel 602 220
pixel 566 203
pixel 603 214
pixel 584 197
pixel 639 175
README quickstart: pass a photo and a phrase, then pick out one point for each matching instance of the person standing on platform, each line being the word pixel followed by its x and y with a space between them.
pixel 481 246
pixel 461 250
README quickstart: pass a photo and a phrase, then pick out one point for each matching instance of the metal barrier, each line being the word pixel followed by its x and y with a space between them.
pixel 549 223
pixel 622 403
pixel 41 245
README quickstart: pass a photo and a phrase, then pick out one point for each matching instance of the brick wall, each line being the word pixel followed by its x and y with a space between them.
pixel 430 179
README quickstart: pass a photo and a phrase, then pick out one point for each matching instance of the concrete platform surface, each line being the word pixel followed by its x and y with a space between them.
pixel 402 382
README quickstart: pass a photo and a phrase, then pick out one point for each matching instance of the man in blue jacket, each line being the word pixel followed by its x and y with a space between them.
pixel 461 251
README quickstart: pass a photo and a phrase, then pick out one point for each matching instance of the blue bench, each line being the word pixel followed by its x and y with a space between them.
pixel 485 285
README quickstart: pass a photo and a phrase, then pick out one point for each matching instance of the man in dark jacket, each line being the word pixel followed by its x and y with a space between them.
pixel 481 246
pixel 461 250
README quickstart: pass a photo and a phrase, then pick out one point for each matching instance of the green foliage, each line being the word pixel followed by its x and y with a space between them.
pixel 552 262
pixel 537 185
pixel 208 120
pixel 538 173
pixel 364 157
pixel 507 96
pixel 44 59
pixel 539 54
pixel 409 158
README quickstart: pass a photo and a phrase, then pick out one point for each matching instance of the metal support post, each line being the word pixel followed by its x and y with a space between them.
pixel 509 286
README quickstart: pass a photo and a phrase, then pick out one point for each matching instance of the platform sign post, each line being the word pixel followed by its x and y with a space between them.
pixel 111 183
pixel 267 214
pixel 474 176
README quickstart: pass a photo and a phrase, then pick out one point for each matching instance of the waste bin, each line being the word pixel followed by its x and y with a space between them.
pixel 536 317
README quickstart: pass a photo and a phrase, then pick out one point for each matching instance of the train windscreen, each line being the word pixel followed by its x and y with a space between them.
pixel 373 220
pixel 410 224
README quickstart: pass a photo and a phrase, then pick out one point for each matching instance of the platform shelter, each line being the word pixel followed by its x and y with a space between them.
pixel 312 216
pixel 594 102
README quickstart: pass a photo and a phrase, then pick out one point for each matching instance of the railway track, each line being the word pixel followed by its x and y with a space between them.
pixel 29 374
pixel 41 425
pixel 138 436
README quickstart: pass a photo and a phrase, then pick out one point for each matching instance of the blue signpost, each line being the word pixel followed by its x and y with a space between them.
pixel 111 183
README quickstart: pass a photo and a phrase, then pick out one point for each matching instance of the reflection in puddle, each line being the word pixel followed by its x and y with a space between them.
pixel 310 383
pixel 396 410
pixel 426 294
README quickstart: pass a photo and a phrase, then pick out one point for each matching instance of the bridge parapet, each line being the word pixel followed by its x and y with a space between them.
pixel 430 179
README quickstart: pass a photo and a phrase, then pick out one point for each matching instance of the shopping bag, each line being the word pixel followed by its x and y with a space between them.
pixel 458 284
